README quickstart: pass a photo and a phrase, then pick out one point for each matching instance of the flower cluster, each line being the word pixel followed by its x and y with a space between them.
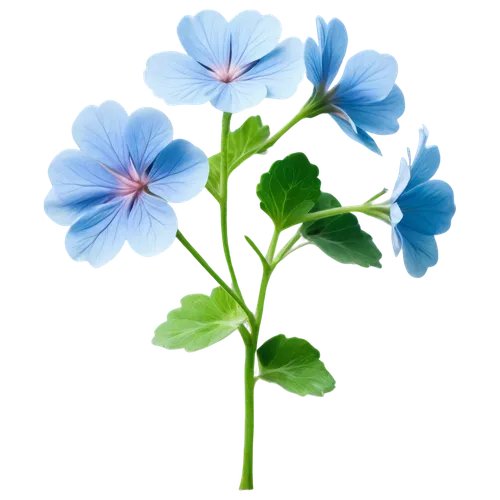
pixel 117 187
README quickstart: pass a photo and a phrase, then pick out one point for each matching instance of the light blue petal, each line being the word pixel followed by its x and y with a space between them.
pixel 419 251
pixel 78 179
pixel 395 214
pixel 359 136
pixel 408 154
pixel 252 37
pixel 66 212
pixel 148 132
pixel 396 240
pixel 178 79
pixel 402 181
pixel 340 113
pixel 239 95
pixel 428 208
pixel 61 213
pixel 426 160
pixel 281 70
pixel 99 132
pixel 206 38
pixel 99 234
pixel 368 77
pixel 179 172
pixel 325 53
pixel 152 225
pixel 378 117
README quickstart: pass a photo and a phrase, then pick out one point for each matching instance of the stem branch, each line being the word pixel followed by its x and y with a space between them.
pixel 216 277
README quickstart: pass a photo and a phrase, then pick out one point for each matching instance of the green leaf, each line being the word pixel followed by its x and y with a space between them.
pixel 240 142
pixel 213 183
pixel 200 321
pixel 340 236
pixel 294 364
pixel 245 140
pixel 289 190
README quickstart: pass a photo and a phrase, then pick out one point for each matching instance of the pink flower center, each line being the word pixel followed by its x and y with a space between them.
pixel 227 75
pixel 134 183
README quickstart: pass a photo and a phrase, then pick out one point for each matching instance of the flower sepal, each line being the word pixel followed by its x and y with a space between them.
pixel 381 211
pixel 318 104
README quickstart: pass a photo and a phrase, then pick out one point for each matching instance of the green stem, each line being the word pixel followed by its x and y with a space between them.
pixel 377 196
pixel 265 282
pixel 272 246
pixel 286 249
pixel 299 116
pixel 216 277
pixel 322 214
pixel 247 472
pixel 255 247
pixel 371 209
pixel 250 379
pixel 224 174
pixel 245 335
pixel 266 276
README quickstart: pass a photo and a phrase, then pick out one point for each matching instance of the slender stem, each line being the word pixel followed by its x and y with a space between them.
pixel 376 196
pixel 265 282
pixel 264 285
pixel 245 335
pixel 257 251
pixel 247 476
pixel 216 277
pixel 323 214
pixel 272 246
pixel 224 174
pixel 286 249
pixel 299 116
pixel 247 472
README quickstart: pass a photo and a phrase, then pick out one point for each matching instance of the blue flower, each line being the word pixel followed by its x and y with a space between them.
pixel 119 184
pixel 234 65
pixel 366 98
pixel 420 208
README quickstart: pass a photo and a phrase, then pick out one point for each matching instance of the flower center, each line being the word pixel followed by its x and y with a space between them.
pixel 227 75
pixel 133 183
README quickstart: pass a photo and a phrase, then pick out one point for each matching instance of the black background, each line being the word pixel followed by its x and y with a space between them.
pixel 178 422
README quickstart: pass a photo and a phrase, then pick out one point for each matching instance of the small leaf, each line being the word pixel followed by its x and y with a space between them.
pixel 246 139
pixel 294 364
pixel 240 142
pixel 200 321
pixel 213 183
pixel 289 190
pixel 340 236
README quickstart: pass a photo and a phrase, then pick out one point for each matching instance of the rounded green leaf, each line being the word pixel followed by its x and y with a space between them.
pixel 289 190
pixel 200 321
pixel 294 364
pixel 341 236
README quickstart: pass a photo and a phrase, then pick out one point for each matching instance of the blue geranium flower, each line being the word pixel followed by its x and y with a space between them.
pixel 234 65
pixel 420 208
pixel 119 184
pixel 366 98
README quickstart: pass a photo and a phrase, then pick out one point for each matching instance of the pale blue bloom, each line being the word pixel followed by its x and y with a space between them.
pixel 420 208
pixel 234 65
pixel 366 98
pixel 120 182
